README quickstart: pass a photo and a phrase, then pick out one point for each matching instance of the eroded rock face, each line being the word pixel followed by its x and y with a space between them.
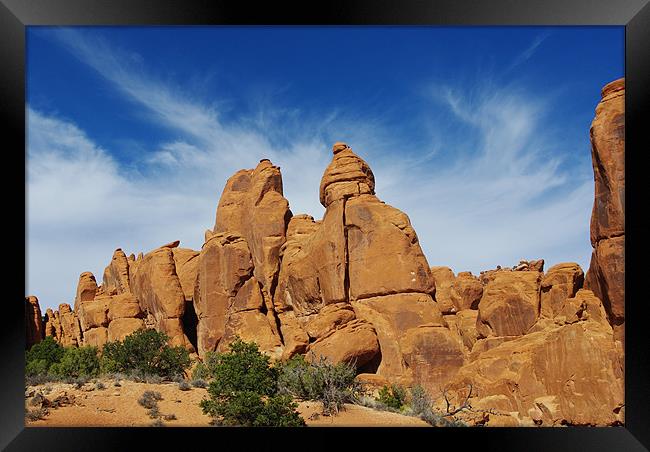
pixel 509 305
pixel 116 274
pixel 71 332
pixel 86 289
pixel 444 278
pixel 466 291
pixel 354 342
pixel 568 373
pixel 34 327
pixel 562 281
pixel 383 250
pixel 53 324
pixel 606 275
pixel 252 205
pixel 229 299
pixel 187 268
pixel 404 324
pixel 156 286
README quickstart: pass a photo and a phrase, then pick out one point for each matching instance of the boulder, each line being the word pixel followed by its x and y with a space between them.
pixel 509 305
pixel 444 279
pixel 562 281
pixel 465 292
pixel 346 176
pixel 294 337
pixel 328 319
pixel 123 306
pixel 96 337
pixel 392 317
pixel 383 250
pixel 298 289
pixel 120 328
pixel 354 343
pixel 466 326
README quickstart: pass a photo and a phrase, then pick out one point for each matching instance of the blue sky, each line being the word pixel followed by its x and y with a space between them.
pixel 479 134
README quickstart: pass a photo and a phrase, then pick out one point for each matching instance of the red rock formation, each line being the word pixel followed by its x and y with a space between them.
pixel 561 282
pixel 606 274
pixel 116 274
pixel 444 278
pixel 70 326
pixel 34 327
pixel 568 373
pixel 366 254
pixel 156 285
pixel 53 324
pixel 466 291
pixel 510 304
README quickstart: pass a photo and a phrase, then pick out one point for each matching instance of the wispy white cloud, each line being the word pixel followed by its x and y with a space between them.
pixel 529 51
pixel 491 202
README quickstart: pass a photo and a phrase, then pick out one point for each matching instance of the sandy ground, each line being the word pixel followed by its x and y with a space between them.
pixel 117 406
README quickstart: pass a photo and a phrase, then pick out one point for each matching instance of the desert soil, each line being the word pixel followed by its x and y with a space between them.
pixel 117 406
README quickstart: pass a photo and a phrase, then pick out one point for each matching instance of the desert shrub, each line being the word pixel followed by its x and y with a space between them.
pixel 149 399
pixel 145 352
pixel 77 362
pixel 35 414
pixel 420 400
pixel 100 385
pixel 184 386
pixel 244 390
pixel 392 396
pixel 169 417
pixel 199 383
pixel 154 412
pixel 157 423
pixel 331 384
pixel 40 357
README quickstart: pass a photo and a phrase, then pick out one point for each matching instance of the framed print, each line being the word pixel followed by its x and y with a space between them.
pixel 359 215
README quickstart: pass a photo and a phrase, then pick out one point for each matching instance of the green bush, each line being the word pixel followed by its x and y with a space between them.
pixel 331 384
pixel 392 396
pixel 244 390
pixel 145 352
pixel 77 362
pixel 40 357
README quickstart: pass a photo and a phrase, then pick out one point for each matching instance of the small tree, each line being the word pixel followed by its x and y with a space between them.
pixel 392 396
pixel 145 352
pixel 244 390
pixel 77 362
pixel 40 357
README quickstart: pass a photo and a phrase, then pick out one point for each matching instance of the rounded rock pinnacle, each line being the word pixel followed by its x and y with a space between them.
pixel 339 146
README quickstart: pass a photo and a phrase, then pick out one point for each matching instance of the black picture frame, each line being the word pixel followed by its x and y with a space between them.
pixel 15 15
